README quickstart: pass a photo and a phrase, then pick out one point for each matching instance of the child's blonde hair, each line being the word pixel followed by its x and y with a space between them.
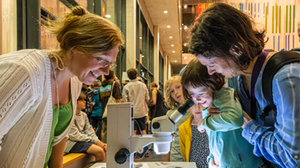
pixel 169 100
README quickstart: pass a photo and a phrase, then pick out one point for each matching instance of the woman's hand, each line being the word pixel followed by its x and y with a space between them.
pixel 200 126
pixel 247 119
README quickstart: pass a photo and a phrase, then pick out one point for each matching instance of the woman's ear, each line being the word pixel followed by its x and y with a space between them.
pixel 234 50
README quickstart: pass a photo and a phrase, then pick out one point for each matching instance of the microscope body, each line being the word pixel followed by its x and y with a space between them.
pixel 122 144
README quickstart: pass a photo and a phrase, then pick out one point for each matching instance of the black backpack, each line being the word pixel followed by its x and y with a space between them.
pixel 273 65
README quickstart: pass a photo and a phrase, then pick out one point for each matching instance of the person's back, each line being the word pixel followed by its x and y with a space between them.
pixel 137 93
pixel 160 105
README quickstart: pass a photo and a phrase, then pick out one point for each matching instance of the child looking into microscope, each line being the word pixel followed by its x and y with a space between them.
pixel 227 146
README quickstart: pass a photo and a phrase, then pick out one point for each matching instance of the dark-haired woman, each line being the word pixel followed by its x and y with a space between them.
pixel 39 88
pixel 225 40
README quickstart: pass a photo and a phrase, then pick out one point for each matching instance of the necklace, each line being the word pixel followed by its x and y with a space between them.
pixel 56 85
pixel 57 58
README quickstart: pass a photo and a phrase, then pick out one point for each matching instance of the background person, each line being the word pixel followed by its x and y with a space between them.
pixel 82 137
pixel 174 98
pixel 225 40
pixel 137 93
pixel 39 89
pixel 158 106
pixel 109 86
pixel 96 117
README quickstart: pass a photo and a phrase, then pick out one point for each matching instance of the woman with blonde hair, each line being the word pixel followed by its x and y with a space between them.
pixel 39 89
pixel 174 98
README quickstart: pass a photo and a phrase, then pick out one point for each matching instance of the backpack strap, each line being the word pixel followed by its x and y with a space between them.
pixel 273 65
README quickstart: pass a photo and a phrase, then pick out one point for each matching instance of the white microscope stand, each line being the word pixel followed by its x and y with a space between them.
pixel 120 136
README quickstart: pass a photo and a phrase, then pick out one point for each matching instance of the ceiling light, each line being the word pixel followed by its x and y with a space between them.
pixel 172 45
pixel 179 6
pixel 184 57
pixel 107 16
pixel 140 37
pixel 168 26
pixel 170 37
pixel 185 6
pixel 142 55
pixel 185 27
pixel 165 11
pixel 180 28
pixel 182 24
pixel 175 60
pixel 173 51
pixel 184 44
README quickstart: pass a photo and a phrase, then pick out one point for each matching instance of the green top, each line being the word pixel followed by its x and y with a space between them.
pixel 60 122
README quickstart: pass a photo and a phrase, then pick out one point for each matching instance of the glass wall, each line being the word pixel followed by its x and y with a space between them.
pixel 161 73
pixel 145 54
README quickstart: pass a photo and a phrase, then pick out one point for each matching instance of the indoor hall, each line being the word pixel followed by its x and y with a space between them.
pixel 156 41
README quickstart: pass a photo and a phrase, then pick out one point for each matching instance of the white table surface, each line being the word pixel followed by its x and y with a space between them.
pixel 157 165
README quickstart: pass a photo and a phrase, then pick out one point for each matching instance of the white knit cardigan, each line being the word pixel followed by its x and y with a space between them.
pixel 26 108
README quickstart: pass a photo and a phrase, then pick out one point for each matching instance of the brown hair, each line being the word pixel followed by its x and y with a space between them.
pixel 132 73
pixel 82 96
pixel 224 31
pixel 153 84
pixel 87 32
pixel 196 75
pixel 169 100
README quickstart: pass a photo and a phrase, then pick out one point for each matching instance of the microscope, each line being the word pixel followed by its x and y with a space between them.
pixel 122 144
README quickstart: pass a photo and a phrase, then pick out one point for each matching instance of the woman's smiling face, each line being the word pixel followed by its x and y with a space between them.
pixel 87 67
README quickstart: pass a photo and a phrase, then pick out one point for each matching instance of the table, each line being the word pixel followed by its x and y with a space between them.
pixel 156 165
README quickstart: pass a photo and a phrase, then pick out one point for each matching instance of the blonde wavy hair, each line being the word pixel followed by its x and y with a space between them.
pixel 169 100
pixel 87 32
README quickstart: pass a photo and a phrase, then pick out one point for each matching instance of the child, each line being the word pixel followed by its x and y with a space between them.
pixel 82 137
pixel 227 146
pixel 194 145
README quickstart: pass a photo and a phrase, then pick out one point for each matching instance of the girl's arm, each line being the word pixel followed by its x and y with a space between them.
pixel 231 116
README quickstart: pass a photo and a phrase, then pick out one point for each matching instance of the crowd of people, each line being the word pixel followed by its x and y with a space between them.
pixel 45 111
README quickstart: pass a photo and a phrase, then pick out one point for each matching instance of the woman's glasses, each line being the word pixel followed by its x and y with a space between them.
pixel 106 63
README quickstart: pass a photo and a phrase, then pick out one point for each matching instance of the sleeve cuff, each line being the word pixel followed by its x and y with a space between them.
pixel 248 130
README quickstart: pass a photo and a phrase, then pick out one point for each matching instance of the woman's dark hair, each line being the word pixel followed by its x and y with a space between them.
pixel 132 73
pixel 196 75
pixel 224 31
pixel 110 75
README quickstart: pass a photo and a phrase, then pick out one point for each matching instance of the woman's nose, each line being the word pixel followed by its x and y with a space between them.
pixel 211 71
pixel 105 70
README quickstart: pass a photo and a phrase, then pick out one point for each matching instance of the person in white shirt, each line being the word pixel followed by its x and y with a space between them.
pixel 137 92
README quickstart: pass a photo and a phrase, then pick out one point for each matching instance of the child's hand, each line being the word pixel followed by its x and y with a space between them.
pixel 213 110
pixel 212 164
pixel 200 126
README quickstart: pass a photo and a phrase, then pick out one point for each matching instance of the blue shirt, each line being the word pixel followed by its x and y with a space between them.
pixel 97 110
pixel 278 138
